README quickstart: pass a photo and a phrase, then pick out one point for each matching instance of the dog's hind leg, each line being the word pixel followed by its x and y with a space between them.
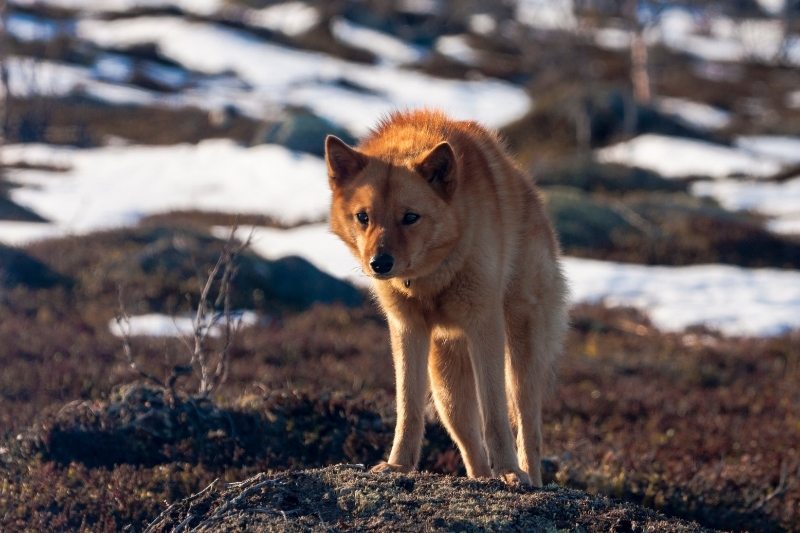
pixel 528 372
pixel 455 396
pixel 486 341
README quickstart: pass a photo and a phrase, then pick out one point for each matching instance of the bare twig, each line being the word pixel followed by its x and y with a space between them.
pixel 231 329
pixel 779 489
pixel 206 319
pixel 158 521
pixel 124 324
pixel 240 498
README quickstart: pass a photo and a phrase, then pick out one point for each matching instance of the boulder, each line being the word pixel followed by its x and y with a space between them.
pixel 304 131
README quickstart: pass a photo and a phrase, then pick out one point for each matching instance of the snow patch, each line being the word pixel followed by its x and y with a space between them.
pixel 547 14
pixel 289 18
pixel 457 48
pixel 314 242
pixel 697 114
pixel 781 148
pixel 29 28
pixel 116 186
pixel 778 200
pixel 675 157
pixel 387 47
pixel 281 76
pixel 159 325
pixel 737 301
pixel 198 7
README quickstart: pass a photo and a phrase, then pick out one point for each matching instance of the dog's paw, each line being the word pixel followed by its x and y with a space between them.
pixel 516 478
pixel 389 467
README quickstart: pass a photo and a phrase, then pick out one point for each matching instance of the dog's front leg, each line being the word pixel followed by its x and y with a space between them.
pixel 410 341
pixel 486 338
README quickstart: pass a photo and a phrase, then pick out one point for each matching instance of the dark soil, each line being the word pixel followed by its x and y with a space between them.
pixel 207 219
pixel 694 425
pixel 83 121
pixel 345 498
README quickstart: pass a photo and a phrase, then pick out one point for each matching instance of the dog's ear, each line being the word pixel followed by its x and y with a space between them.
pixel 439 167
pixel 343 161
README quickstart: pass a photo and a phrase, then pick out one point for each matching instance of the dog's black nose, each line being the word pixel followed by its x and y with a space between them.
pixel 382 263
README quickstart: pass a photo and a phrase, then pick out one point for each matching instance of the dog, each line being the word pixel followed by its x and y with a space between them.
pixel 465 266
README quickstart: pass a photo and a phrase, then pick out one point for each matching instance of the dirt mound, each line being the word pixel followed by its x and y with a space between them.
pixel 664 228
pixel 588 175
pixel 10 210
pixel 347 498
pixel 162 268
pixel 18 268
pixel 143 425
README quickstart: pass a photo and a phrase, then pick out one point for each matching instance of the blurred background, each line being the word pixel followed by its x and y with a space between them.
pixel 138 135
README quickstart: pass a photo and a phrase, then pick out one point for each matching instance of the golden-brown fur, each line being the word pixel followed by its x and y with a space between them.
pixel 475 298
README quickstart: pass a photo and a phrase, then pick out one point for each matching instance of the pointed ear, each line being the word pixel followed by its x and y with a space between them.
pixel 439 168
pixel 343 161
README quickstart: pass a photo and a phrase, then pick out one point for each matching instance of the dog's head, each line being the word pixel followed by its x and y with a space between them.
pixel 397 219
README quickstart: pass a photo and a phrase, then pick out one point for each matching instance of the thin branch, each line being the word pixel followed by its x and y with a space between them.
pixel 124 324
pixel 231 330
pixel 206 319
pixel 158 521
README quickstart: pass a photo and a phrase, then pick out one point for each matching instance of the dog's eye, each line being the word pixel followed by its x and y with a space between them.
pixel 410 218
pixel 363 218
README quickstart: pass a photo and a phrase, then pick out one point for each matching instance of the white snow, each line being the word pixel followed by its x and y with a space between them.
pixel 720 38
pixel 29 28
pixel 781 148
pixel 13 233
pixel 793 100
pixel 787 225
pixel 117 185
pixel 773 7
pixel 547 14
pixel 780 200
pixel 676 157
pixel 159 325
pixel 754 157
pixel 28 77
pixel 36 154
pixel 282 76
pixel 612 38
pixel 457 47
pixel 199 7
pixel 482 23
pixel 313 242
pixel 697 114
pixel 114 186
pixel 387 47
pixel 421 7
pixel 737 301
pixel 289 18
